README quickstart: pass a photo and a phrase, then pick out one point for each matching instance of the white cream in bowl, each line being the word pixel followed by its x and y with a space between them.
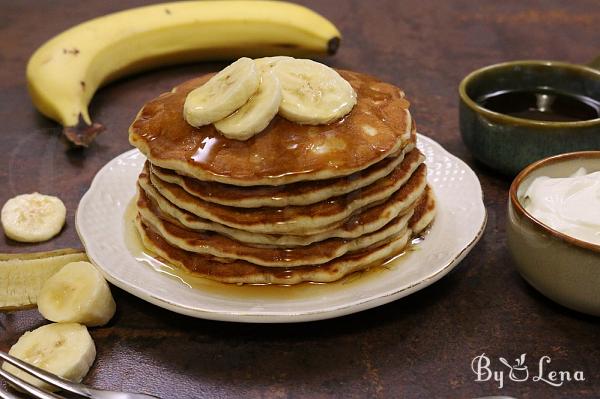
pixel 570 205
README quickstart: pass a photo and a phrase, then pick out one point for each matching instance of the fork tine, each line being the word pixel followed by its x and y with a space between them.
pixel 27 387
pixel 43 375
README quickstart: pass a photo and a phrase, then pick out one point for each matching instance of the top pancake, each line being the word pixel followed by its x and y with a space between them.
pixel 285 152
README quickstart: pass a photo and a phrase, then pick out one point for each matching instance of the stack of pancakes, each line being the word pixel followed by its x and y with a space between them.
pixel 293 203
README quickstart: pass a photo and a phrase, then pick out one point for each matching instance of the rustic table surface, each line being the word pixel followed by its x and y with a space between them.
pixel 419 346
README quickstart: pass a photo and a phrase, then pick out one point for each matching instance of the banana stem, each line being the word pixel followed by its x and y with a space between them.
pixel 82 134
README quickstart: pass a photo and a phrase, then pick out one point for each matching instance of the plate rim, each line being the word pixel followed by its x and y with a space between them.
pixel 282 317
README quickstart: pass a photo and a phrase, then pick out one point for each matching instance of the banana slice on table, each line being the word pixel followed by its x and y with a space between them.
pixel 224 93
pixel 77 293
pixel 313 93
pixel 257 113
pixel 23 275
pixel 64 349
pixel 33 217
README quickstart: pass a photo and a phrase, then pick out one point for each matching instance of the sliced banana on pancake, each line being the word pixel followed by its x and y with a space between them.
pixel 33 217
pixel 64 349
pixel 78 293
pixel 224 93
pixel 257 113
pixel 313 93
pixel 267 63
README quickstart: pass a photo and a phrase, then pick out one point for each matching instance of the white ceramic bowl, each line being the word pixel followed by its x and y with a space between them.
pixel 563 268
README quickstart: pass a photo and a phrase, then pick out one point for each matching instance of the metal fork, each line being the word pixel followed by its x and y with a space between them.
pixel 35 392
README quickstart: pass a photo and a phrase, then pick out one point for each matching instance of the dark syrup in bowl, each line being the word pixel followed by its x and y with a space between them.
pixel 542 104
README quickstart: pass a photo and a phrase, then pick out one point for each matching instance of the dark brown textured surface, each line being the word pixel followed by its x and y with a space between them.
pixel 420 346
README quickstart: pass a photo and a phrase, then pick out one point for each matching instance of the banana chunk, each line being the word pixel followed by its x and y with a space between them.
pixel 64 349
pixel 257 113
pixel 313 93
pixel 33 217
pixel 224 93
pixel 78 293
pixel 267 63
pixel 23 275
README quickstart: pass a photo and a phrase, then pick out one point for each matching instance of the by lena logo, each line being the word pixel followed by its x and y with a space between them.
pixel 519 372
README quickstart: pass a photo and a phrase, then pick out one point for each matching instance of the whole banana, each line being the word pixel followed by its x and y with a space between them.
pixel 65 72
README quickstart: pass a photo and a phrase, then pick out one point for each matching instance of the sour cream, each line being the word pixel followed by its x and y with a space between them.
pixel 570 205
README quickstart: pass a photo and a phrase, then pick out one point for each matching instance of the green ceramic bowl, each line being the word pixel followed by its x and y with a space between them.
pixel 563 268
pixel 508 144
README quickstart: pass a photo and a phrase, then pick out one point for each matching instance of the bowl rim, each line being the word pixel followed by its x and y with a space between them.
pixel 514 200
pixel 462 90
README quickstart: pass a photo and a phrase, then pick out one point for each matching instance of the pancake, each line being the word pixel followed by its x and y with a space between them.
pixel 424 212
pixel 363 222
pixel 241 272
pixel 284 152
pixel 292 203
pixel 299 220
pixel 215 244
pixel 301 193
pixel 238 271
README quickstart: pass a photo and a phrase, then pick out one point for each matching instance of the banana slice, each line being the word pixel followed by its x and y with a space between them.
pixel 64 349
pixel 33 217
pixel 256 114
pixel 313 93
pixel 78 293
pixel 225 92
pixel 23 275
pixel 267 63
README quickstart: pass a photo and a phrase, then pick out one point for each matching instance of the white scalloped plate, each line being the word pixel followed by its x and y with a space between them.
pixel 461 218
